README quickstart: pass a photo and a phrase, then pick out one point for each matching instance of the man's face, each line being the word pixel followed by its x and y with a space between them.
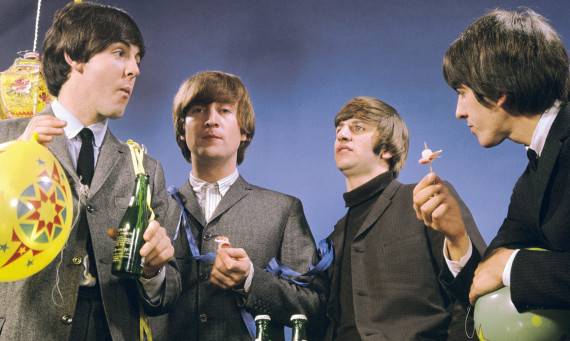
pixel 491 125
pixel 353 150
pixel 212 133
pixel 108 79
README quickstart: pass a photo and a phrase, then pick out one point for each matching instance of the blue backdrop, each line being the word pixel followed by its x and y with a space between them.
pixel 301 61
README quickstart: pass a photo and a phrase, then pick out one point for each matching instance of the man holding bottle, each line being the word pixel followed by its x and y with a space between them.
pixel 214 124
pixel 91 60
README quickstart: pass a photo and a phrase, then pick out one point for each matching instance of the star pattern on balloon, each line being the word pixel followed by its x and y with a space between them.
pixel 41 213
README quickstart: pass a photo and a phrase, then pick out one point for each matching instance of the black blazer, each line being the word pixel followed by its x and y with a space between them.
pixel 539 216
pixel 396 264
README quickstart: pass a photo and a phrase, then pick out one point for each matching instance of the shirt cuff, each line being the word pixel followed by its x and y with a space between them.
pixel 454 266
pixel 153 285
pixel 507 270
pixel 247 284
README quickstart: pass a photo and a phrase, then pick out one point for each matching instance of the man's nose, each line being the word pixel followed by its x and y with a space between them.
pixel 459 110
pixel 344 134
pixel 213 117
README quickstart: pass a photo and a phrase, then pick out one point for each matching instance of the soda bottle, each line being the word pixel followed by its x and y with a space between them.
pixel 299 327
pixel 262 325
pixel 127 261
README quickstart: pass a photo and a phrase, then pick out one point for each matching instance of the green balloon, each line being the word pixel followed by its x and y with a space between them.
pixel 497 319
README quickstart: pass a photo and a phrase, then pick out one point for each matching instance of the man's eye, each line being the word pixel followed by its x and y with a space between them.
pixel 358 128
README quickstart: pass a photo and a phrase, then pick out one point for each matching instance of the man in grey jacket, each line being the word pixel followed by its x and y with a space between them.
pixel 91 60
pixel 214 123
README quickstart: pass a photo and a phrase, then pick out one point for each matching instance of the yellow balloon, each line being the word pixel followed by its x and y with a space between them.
pixel 36 207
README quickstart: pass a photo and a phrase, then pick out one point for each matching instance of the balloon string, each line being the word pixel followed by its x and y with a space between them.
pixel 37 24
pixel 465 325
pixel 82 192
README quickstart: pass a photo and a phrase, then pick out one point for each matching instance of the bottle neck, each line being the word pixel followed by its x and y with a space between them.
pixel 140 190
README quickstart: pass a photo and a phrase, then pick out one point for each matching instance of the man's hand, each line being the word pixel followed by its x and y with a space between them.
pixel 157 250
pixel 489 274
pixel 437 208
pixel 45 126
pixel 231 268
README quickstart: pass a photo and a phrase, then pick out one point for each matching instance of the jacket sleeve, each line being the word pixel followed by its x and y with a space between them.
pixel 172 285
pixel 280 298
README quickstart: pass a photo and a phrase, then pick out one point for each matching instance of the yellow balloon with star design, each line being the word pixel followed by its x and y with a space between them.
pixel 36 207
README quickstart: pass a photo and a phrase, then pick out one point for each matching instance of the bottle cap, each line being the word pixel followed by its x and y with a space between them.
pixel 262 317
pixel 298 317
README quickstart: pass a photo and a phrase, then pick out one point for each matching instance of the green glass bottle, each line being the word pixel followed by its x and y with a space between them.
pixel 299 327
pixel 262 325
pixel 127 261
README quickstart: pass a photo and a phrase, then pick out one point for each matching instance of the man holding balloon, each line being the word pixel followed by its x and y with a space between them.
pixel 511 73
pixel 91 60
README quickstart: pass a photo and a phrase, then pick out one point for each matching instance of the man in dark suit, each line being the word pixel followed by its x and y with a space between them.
pixel 91 60
pixel 390 279
pixel 214 123
pixel 510 70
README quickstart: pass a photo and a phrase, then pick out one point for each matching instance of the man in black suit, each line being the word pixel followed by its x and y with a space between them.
pixel 510 70
pixel 390 279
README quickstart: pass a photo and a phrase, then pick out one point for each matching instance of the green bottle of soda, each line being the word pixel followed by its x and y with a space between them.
pixel 127 261
pixel 299 327
pixel 262 325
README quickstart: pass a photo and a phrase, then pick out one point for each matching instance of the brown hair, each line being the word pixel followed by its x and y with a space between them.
pixel 205 88
pixel 82 30
pixel 392 133
pixel 514 53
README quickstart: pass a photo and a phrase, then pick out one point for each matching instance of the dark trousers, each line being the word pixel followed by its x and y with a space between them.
pixel 89 322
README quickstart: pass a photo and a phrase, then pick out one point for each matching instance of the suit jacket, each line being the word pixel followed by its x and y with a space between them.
pixel 539 216
pixel 28 310
pixel 395 264
pixel 265 224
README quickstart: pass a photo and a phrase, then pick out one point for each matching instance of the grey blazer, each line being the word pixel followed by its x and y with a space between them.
pixel 265 224
pixel 29 311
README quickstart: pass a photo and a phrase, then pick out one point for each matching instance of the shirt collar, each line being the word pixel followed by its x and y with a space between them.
pixel 222 184
pixel 543 128
pixel 74 126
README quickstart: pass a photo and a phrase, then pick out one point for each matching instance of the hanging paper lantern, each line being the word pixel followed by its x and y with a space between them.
pixel 496 318
pixel 36 209
pixel 23 91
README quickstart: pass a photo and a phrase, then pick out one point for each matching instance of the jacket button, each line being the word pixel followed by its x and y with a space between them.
pixel 207 236
pixel 66 319
pixel 77 260
pixel 204 276
pixel 90 209
pixel 203 318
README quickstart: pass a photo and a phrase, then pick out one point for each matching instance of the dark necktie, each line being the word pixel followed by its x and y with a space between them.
pixel 86 159
pixel 532 159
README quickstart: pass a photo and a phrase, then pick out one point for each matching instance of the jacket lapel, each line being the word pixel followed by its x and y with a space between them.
pixel 379 207
pixel 109 155
pixel 190 202
pixel 558 133
pixel 237 191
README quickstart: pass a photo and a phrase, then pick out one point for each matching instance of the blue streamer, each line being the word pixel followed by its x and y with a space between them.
pixel 189 235
pixel 325 249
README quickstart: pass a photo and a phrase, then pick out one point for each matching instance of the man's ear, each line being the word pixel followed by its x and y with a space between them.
pixel 74 65
pixel 502 101
pixel 385 155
